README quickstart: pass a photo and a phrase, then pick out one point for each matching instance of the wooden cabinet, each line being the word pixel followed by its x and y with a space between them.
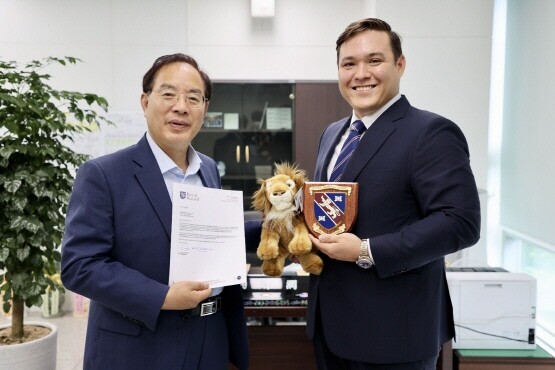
pixel 280 347
pixel 317 105
pixel 273 344
pixel 252 125
pixel 248 127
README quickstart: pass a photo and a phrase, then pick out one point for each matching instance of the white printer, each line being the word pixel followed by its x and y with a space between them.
pixel 493 308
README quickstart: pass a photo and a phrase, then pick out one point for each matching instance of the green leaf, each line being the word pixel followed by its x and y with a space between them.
pixel 18 281
pixel 56 256
pixel 12 186
pixel 15 100
pixel 7 306
pixel 26 223
pixel 19 203
pixel 23 253
pixel 4 253
pixel 6 151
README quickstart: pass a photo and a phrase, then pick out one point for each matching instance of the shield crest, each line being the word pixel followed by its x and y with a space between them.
pixel 330 207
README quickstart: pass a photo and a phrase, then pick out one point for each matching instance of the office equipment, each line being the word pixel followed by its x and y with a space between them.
pixel 289 289
pixel 493 308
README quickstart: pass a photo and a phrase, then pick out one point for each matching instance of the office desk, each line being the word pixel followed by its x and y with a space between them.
pixel 506 359
pixel 279 345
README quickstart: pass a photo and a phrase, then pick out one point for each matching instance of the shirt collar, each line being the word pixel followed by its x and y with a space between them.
pixel 166 163
pixel 371 118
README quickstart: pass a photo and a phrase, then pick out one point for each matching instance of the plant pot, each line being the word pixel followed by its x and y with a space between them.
pixel 38 354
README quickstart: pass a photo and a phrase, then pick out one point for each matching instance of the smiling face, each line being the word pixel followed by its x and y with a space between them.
pixel 369 75
pixel 174 125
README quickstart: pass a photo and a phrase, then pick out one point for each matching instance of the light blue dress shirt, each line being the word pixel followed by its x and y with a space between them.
pixel 174 175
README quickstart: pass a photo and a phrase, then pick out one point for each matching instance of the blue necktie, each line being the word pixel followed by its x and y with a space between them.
pixel 357 129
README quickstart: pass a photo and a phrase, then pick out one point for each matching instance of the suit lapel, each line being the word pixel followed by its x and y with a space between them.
pixel 374 138
pixel 151 181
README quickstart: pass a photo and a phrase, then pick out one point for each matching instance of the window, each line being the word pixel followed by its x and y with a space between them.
pixel 521 178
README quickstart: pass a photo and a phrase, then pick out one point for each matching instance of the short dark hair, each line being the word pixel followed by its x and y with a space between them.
pixel 374 24
pixel 150 75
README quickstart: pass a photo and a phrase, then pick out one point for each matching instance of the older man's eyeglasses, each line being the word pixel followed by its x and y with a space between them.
pixel 194 100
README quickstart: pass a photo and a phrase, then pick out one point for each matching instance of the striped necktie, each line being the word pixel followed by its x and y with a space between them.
pixel 357 129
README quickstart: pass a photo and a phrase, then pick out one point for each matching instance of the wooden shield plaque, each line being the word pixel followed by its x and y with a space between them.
pixel 330 207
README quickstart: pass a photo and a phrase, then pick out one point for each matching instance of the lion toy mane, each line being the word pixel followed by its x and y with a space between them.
pixel 284 230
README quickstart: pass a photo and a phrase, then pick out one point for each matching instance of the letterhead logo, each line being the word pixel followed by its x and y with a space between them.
pixel 189 196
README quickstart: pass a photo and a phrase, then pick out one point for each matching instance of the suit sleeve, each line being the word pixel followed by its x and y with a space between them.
pixel 87 264
pixel 446 197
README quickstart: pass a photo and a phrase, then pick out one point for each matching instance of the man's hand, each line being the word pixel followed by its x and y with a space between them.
pixel 184 295
pixel 342 247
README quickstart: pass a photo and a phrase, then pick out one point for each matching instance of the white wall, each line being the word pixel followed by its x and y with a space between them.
pixel 446 42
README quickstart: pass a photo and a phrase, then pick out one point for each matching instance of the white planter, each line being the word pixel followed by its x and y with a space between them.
pixel 35 355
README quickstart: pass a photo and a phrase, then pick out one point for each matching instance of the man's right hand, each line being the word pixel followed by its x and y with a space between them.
pixel 184 295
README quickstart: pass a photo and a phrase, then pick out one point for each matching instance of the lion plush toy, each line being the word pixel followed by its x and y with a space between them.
pixel 284 231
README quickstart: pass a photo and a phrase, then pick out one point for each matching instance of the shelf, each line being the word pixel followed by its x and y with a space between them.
pixel 236 112
pixel 275 311
pixel 236 133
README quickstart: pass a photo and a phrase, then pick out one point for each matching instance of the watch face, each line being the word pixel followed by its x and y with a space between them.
pixel 364 263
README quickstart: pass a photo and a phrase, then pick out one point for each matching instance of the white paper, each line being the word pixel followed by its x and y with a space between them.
pixel 128 128
pixel 231 121
pixel 278 118
pixel 208 236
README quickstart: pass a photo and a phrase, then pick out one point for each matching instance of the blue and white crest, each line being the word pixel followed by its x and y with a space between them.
pixel 330 208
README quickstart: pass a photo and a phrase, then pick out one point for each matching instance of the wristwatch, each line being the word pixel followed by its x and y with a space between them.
pixel 364 260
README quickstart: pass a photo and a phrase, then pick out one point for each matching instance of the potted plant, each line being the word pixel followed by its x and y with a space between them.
pixel 36 176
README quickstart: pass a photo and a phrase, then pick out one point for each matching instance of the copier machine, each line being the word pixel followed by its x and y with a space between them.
pixel 493 308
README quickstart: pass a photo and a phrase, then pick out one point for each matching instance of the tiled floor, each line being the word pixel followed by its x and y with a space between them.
pixel 71 338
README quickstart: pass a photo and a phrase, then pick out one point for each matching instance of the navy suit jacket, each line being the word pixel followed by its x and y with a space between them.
pixel 116 251
pixel 418 202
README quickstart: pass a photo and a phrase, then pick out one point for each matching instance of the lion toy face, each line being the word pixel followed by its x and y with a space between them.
pixel 280 192
pixel 284 231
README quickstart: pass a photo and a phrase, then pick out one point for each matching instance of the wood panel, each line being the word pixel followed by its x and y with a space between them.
pixel 278 347
pixel 317 104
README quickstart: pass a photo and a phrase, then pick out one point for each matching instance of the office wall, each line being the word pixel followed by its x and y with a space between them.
pixel 447 44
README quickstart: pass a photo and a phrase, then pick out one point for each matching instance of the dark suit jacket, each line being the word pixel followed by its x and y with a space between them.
pixel 116 251
pixel 417 203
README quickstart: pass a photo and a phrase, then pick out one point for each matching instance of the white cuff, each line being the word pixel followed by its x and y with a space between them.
pixel 370 252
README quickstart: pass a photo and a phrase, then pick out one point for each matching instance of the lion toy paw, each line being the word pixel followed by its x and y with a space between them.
pixel 284 230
